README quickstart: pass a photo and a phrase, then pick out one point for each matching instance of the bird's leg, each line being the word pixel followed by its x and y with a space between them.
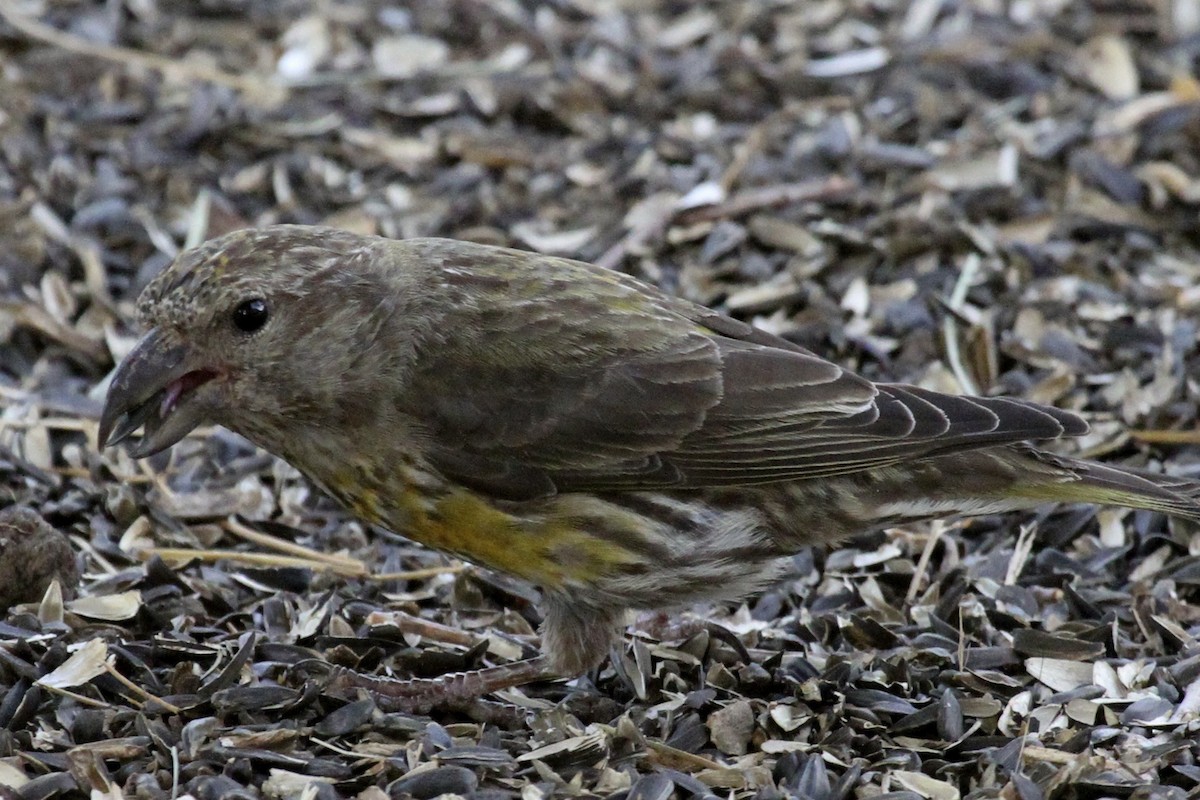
pixel 576 635
pixel 421 695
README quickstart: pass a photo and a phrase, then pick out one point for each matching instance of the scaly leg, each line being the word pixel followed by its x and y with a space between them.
pixel 455 689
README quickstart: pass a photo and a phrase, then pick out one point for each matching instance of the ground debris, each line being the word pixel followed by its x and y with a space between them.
pixel 968 196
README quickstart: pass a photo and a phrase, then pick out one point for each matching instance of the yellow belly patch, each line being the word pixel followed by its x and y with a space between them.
pixel 549 549
pixel 547 552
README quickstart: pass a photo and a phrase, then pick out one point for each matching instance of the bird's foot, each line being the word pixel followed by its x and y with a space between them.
pixel 451 691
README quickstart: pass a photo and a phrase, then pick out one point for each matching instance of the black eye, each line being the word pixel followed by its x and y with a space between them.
pixel 250 315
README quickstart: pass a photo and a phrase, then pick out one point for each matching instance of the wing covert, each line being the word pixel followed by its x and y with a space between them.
pixel 562 376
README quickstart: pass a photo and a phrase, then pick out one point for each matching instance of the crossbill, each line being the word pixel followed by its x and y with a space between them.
pixel 618 447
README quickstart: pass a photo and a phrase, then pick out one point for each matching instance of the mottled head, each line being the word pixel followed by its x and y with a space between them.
pixel 262 331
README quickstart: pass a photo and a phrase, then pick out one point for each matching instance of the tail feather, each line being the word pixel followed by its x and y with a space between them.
pixel 1103 484
pixel 990 481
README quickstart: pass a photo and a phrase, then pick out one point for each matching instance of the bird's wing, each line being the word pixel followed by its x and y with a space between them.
pixel 562 376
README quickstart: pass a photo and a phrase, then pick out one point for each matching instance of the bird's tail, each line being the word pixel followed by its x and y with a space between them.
pixel 992 480
pixel 1092 482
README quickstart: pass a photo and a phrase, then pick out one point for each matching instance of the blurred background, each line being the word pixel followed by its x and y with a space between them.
pixel 986 196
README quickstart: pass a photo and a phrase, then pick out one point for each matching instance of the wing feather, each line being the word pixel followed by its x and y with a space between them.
pixel 562 376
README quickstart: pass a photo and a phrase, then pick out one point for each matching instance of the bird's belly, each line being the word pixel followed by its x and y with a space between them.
pixel 553 552
pixel 638 550
pixel 547 549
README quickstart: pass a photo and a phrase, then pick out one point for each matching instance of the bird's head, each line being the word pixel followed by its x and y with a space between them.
pixel 260 331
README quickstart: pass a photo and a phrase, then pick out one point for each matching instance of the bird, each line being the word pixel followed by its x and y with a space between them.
pixel 616 446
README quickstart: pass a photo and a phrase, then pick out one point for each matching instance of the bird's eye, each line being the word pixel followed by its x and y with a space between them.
pixel 250 315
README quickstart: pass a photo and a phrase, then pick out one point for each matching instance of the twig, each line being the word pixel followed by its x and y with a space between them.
pixel 251 559
pixel 937 529
pixel 408 623
pixel 248 84
pixel 79 698
pixel 351 565
pixel 133 687
pixel 783 194
pixel 419 574
pixel 1166 437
